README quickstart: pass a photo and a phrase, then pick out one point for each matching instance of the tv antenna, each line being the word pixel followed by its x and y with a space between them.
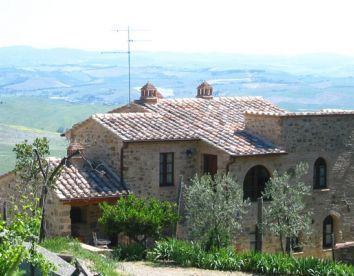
pixel 128 52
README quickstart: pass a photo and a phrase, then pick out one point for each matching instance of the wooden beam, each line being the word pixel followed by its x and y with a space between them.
pixel 89 201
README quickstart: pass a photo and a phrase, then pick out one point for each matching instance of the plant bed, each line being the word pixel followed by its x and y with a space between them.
pixel 189 254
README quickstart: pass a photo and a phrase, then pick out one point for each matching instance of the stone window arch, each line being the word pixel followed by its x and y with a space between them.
pixel 328 230
pixel 254 182
pixel 320 174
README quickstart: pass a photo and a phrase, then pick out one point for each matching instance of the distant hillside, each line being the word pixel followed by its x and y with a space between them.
pixel 296 82
pixel 14 134
pixel 43 91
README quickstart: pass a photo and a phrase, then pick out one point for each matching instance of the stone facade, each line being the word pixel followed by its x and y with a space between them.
pixel 58 215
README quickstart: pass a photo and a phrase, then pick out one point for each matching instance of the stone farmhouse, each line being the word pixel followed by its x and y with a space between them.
pixel 147 146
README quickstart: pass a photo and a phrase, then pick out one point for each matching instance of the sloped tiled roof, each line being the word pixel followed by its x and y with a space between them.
pixel 219 122
pixel 88 182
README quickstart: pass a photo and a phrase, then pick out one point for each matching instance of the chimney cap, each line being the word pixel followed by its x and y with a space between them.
pixel 205 91
pixel 149 94
pixel 204 84
pixel 148 86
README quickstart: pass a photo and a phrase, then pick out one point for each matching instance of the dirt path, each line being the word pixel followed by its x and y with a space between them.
pixel 152 269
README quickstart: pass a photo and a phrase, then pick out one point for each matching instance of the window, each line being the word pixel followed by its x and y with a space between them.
pixel 295 244
pixel 254 183
pixel 76 215
pixel 319 174
pixel 327 232
pixel 210 162
pixel 166 169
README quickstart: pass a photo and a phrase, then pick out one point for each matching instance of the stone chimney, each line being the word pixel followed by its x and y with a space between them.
pixel 205 91
pixel 149 94
pixel 77 159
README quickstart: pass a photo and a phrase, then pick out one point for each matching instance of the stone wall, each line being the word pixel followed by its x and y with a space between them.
pixel 141 165
pixel 307 138
pixel 100 143
pixel 57 215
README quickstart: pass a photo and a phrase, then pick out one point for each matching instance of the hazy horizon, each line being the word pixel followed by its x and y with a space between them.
pixel 245 27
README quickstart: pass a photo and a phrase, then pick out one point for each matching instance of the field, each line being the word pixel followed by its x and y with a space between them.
pixel 25 118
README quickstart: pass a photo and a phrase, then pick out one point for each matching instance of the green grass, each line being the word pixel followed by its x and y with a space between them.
pixel 30 117
pixel 100 263
pixel 45 114
pixel 14 134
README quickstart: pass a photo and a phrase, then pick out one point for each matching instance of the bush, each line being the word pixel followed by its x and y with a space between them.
pixel 131 252
pixel 191 254
pixel 138 218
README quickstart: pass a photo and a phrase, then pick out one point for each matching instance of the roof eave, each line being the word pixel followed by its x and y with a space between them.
pixel 259 154
pixel 91 200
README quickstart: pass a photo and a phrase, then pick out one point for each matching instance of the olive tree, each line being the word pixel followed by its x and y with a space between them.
pixel 286 215
pixel 215 208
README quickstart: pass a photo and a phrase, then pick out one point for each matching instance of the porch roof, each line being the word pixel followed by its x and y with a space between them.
pixel 92 181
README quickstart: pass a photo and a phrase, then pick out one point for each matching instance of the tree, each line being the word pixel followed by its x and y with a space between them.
pixel 215 208
pixel 37 176
pixel 286 214
pixel 138 218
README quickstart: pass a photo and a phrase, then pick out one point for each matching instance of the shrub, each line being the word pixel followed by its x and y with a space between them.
pixel 138 218
pixel 131 252
pixel 192 254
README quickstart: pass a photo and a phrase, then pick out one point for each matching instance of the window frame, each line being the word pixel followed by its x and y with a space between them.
pixel 163 169
pixel 327 221
pixel 319 164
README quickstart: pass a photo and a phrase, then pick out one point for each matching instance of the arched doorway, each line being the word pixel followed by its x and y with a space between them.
pixel 255 181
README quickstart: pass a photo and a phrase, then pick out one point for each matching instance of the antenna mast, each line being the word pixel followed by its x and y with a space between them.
pixel 129 40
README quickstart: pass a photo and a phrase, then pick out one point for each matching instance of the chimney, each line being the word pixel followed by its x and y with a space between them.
pixel 77 158
pixel 149 94
pixel 205 91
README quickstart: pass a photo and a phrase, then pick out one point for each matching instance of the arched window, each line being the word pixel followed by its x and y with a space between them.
pixel 327 232
pixel 320 174
pixel 254 183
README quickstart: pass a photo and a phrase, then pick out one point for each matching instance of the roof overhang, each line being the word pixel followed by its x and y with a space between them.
pixel 90 200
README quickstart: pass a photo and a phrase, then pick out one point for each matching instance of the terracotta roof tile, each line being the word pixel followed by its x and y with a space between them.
pixel 85 183
pixel 219 122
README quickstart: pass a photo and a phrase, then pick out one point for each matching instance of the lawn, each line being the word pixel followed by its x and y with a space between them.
pixel 103 264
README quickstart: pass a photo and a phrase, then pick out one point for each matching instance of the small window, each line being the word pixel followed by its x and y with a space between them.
pixel 295 244
pixel 254 183
pixel 210 164
pixel 327 232
pixel 320 174
pixel 76 215
pixel 166 169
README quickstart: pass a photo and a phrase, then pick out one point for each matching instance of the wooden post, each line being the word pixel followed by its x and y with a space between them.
pixel 4 212
pixel 259 232
pixel 333 246
pixel 179 200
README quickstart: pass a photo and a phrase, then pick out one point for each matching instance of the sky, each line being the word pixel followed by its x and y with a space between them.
pixel 275 27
